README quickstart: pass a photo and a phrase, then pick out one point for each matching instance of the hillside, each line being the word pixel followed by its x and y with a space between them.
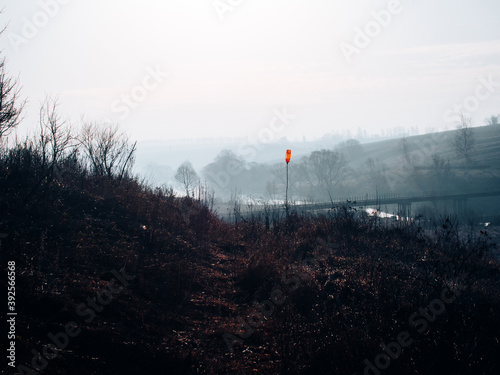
pixel 191 294
pixel 426 164
pixel 486 149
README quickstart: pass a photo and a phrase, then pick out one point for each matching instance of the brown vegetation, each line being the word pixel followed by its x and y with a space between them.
pixel 336 286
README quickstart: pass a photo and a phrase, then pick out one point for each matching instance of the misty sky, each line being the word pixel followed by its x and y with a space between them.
pixel 204 68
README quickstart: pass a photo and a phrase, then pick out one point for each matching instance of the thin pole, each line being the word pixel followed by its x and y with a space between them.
pixel 286 194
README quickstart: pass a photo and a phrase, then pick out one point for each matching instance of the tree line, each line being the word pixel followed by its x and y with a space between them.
pixel 345 168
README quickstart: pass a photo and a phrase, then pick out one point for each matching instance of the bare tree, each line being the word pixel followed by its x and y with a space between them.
pixel 406 149
pixel 108 150
pixel 493 120
pixel 377 175
pixel 464 143
pixel 206 195
pixel 297 176
pixel 54 139
pixel 11 105
pixel 55 135
pixel 225 172
pixel 326 169
pixel 187 176
pixel 351 148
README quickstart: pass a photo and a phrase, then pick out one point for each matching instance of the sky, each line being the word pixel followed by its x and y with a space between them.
pixel 192 69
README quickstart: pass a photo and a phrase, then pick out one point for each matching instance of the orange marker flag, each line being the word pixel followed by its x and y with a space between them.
pixel 288 155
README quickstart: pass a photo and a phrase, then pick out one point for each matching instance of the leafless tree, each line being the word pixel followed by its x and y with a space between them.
pixel 55 135
pixel 326 169
pixel 297 176
pixel 187 176
pixel 377 175
pixel 493 120
pixel 206 195
pixel 225 171
pixel 108 150
pixel 464 143
pixel 11 106
pixel 351 148
pixel 53 142
pixel 405 148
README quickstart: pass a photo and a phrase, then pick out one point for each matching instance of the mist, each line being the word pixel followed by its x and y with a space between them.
pixel 241 187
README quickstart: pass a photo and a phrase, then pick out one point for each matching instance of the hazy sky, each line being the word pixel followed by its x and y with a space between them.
pixel 203 68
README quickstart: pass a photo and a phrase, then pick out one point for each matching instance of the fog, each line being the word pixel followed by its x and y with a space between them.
pixel 250 187
pixel 367 96
pixel 218 69
pixel 454 162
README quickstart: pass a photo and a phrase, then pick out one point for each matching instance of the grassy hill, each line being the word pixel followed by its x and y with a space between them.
pixel 123 279
pixel 430 163
pixel 486 156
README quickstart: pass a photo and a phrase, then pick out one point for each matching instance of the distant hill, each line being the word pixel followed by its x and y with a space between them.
pixel 486 155
pixel 158 159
